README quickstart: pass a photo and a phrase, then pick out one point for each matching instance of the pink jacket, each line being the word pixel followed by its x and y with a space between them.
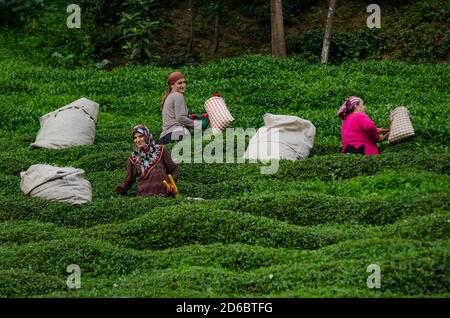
pixel 358 129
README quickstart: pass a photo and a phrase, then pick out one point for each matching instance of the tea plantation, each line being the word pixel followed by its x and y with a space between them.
pixel 309 230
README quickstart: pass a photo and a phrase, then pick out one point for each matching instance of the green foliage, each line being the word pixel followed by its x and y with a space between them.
pixel 357 45
pixel 28 283
pixel 45 31
pixel 261 10
pixel 155 32
pixel 107 27
pixel 419 36
pixel 312 209
pixel 433 226
pixel 410 268
pixel 16 13
pixel 139 30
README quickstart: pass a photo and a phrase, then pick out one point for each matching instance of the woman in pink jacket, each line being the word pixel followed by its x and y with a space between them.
pixel 359 133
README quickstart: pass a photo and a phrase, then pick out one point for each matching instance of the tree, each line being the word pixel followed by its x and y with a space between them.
pixel 276 18
pixel 216 28
pixel 191 31
pixel 327 37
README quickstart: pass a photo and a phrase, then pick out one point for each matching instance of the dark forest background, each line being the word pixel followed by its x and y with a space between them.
pixel 191 32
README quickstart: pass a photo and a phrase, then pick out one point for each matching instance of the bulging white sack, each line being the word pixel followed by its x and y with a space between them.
pixel 71 125
pixel 282 137
pixel 55 183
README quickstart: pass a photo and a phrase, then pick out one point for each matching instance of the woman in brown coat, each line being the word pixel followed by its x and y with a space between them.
pixel 150 164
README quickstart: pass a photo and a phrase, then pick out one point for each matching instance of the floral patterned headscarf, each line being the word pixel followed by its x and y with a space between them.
pixel 149 155
pixel 348 106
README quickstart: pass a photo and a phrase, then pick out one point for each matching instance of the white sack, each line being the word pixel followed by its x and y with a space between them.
pixel 55 183
pixel 282 137
pixel 71 125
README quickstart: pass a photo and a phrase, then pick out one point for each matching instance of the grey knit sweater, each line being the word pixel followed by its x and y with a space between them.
pixel 175 114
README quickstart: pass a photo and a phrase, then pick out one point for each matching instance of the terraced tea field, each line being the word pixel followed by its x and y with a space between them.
pixel 309 230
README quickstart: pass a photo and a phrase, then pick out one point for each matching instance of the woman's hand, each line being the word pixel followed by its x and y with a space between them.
pixel 171 190
pixel 119 190
pixel 204 124
pixel 384 134
pixel 205 117
pixel 384 137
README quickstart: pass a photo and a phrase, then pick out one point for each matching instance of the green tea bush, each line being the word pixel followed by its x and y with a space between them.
pixel 433 226
pixel 305 208
pixel 175 226
pixel 101 211
pixel 28 283
pixel 19 232
pixel 406 267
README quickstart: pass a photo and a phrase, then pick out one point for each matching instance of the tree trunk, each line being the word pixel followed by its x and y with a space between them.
pixel 191 31
pixel 276 17
pixel 216 28
pixel 327 37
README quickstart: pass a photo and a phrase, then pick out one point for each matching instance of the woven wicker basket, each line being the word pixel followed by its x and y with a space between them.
pixel 218 113
pixel 401 126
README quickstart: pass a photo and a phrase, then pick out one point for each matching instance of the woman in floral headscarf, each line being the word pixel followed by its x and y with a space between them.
pixel 359 133
pixel 150 164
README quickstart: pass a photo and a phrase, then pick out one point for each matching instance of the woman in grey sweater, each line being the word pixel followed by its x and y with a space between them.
pixel 176 119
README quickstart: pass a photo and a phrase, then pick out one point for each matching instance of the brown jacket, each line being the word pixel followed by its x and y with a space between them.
pixel 152 185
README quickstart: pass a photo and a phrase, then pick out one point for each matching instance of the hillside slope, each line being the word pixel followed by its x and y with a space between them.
pixel 311 229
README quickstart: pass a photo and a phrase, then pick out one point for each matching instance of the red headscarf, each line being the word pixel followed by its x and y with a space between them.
pixel 174 77
pixel 171 79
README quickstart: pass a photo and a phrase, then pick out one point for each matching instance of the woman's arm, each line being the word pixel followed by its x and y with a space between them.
pixel 130 178
pixel 171 166
pixel 369 127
